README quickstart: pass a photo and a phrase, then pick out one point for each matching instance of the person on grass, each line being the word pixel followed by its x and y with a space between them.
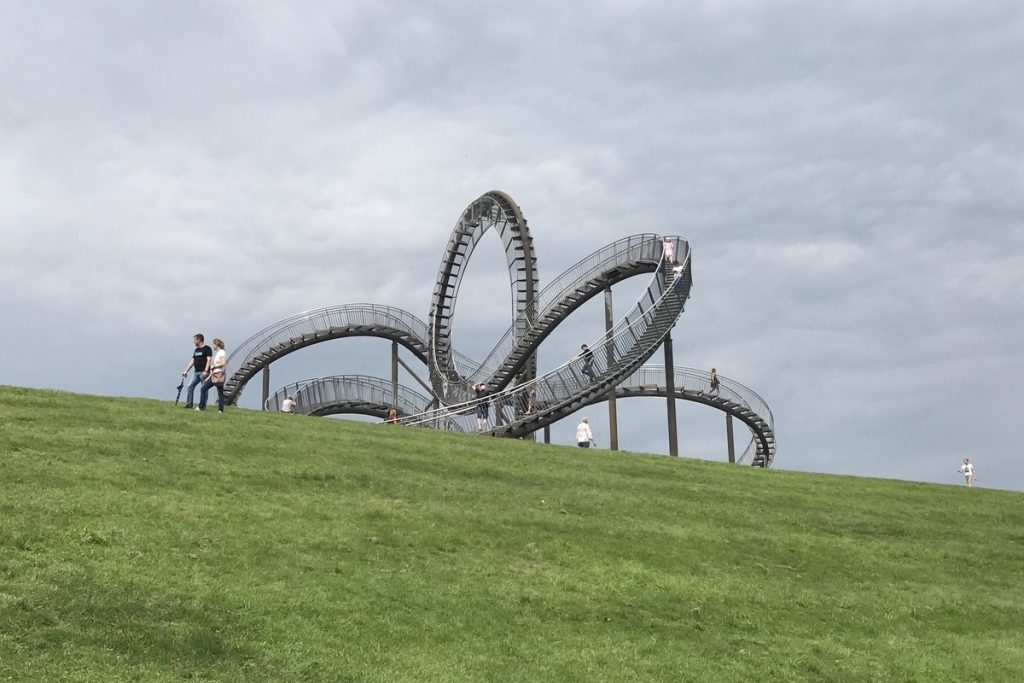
pixel 288 405
pixel 967 469
pixel 215 377
pixel 200 363
pixel 584 437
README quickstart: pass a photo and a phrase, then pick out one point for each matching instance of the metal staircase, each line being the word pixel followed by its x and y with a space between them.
pixel 564 390
pixel 509 371
pixel 731 398
pixel 349 394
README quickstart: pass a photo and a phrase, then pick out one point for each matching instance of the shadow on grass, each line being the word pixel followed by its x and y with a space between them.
pixel 125 624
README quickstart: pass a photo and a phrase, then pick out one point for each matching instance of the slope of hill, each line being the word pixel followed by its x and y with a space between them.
pixel 144 542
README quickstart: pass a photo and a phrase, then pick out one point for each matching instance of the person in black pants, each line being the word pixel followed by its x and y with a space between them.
pixel 482 408
pixel 200 363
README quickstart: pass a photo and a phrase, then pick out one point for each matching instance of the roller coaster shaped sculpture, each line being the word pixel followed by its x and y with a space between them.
pixel 522 401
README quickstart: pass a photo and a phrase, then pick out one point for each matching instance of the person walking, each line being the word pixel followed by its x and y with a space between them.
pixel 587 356
pixel 967 469
pixel 392 418
pixel 584 437
pixel 200 363
pixel 668 250
pixel 714 381
pixel 288 405
pixel 483 407
pixel 215 377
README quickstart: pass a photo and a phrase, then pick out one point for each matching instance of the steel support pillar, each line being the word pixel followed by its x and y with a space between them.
pixel 266 387
pixel 670 386
pixel 728 438
pixel 394 373
pixel 547 433
pixel 613 415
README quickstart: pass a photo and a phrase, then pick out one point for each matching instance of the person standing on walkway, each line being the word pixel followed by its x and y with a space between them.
pixel 483 407
pixel 587 356
pixel 714 381
pixel 584 437
pixel 967 469
pixel 669 251
pixel 200 363
pixel 215 377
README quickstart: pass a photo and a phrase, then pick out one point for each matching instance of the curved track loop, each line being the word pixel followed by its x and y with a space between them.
pixel 511 357
pixel 353 393
pixel 492 211
pixel 313 327
pixel 510 368
pixel 731 398
pixel 349 394
pixel 564 390
pixel 589 277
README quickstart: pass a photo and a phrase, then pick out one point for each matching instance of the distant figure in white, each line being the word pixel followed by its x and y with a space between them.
pixel 967 469
pixel 584 437
pixel 288 405
pixel 669 250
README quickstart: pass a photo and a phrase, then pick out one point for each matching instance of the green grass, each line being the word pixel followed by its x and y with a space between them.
pixel 144 542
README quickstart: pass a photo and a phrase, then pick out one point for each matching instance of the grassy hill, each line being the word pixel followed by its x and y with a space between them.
pixel 144 542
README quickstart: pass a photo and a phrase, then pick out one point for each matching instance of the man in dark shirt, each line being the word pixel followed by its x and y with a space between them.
pixel 200 362
pixel 587 356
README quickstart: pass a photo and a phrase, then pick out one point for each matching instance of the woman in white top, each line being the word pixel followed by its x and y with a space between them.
pixel 967 469
pixel 669 250
pixel 216 376
pixel 584 437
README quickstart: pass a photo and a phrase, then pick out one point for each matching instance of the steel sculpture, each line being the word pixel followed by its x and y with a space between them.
pixel 509 371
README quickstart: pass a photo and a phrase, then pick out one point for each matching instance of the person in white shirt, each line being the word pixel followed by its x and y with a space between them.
pixel 216 377
pixel 967 469
pixel 584 437
pixel 288 405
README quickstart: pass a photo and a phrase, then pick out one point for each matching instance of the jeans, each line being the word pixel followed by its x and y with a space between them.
pixel 588 370
pixel 197 379
pixel 205 393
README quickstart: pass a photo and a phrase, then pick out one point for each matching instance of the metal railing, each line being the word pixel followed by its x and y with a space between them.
pixel 318 393
pixel 594 267
pixel 632 339
pixel 731 396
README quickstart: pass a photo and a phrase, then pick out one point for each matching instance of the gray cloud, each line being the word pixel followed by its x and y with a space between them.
pixel 848 175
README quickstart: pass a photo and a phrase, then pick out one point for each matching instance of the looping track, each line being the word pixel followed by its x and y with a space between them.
pixel 510 369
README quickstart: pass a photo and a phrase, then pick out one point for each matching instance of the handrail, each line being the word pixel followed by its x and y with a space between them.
pixel 594 265
pixel 312 394
pixel 731 397
pixel 616 353
pixel 562 385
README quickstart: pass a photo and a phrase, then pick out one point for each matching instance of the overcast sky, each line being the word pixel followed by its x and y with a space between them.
pixel 849 175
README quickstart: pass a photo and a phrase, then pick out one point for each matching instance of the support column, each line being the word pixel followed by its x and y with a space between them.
pixel 613 415
pixel 394 373
pixel 266 386
pixel 670 385
pixel 547 433
pixel 728 438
